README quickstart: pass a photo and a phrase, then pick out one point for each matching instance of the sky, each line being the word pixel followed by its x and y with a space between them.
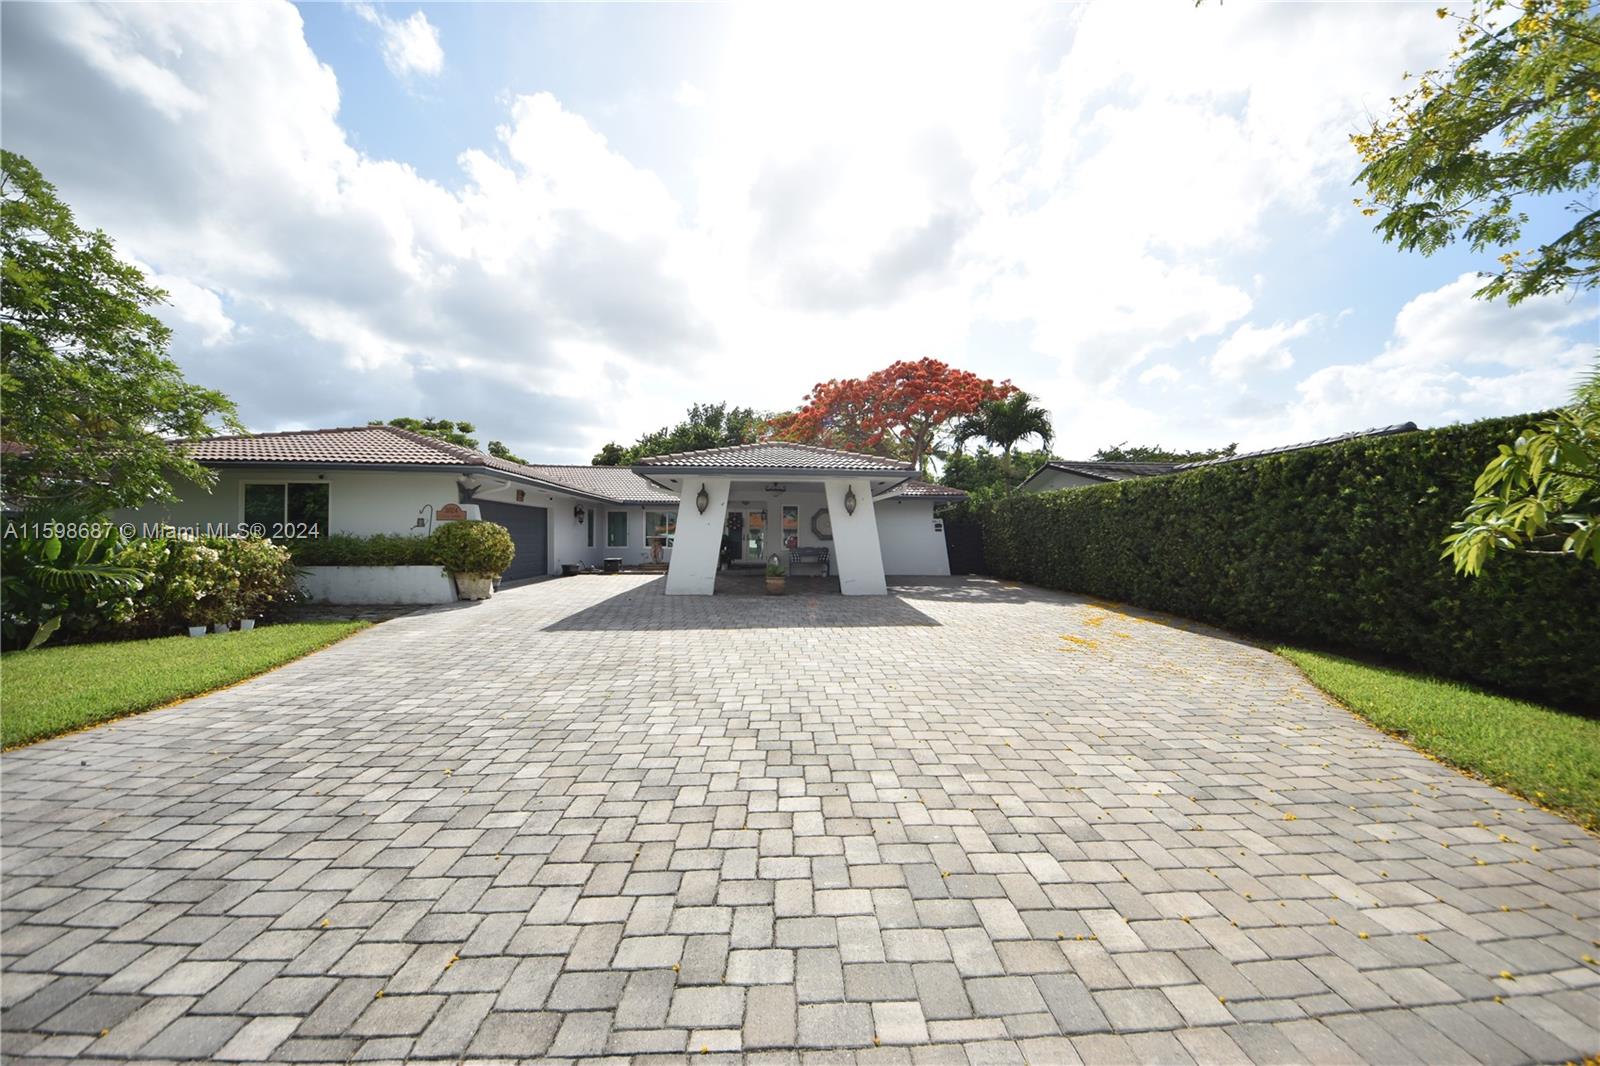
pixel 567 223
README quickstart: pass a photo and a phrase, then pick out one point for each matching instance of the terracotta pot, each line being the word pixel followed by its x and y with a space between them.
pixel 774 586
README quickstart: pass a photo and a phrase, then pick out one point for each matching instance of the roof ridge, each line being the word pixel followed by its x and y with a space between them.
pixel 450 448
pixel 649 460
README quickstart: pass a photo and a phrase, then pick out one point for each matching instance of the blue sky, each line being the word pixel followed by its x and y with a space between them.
pixel 567 223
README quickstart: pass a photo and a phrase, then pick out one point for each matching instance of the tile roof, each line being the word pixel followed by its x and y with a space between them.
pixel 774 456
pixel 393 446
pixel 616 483
pixel 350 444
pixel 924 490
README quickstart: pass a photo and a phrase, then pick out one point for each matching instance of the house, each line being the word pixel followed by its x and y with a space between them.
pixel 1071 474
pixel 382 479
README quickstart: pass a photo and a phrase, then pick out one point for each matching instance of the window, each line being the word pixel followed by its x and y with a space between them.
pixel 591 527
pixel 617 529
pixel 293 509
pixel 659 529
pixel 791 527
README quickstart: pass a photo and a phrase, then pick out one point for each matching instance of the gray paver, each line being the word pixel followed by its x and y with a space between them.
pixel 964 820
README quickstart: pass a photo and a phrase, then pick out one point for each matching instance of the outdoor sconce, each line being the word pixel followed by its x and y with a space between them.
pixel 702 499
pixel 850 500
pixel 577 512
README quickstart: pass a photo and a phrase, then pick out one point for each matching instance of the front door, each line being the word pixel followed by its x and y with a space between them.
pixel 755 531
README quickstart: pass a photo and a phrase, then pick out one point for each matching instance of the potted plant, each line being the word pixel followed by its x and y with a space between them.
pixel 475 553
pixel 774 576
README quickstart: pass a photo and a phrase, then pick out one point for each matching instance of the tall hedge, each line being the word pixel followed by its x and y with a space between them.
pixel 1335 547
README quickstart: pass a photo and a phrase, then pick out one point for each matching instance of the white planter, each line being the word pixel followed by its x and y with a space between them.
pixel 474 586
pixel 246 624
pixel 197 631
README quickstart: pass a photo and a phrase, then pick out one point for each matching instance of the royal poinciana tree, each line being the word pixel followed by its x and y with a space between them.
pixel 906 410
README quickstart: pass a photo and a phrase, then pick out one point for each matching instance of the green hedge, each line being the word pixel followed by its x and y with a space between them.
pixel 1336 547
pixel 382 549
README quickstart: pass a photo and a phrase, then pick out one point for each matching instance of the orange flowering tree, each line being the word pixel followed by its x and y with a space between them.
pixel 905 410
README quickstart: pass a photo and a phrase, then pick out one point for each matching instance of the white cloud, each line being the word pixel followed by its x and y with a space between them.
pixel 410 45
pixel 1161 374
pixel 1450 358
pixel 689 95
pixel 1257 349
pixel 1072 180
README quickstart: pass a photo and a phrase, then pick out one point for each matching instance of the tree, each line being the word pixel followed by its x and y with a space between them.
pixel 707 425
pixel 904 410
pixel 91 398
pixel 1004 422
pixel 1155 453
pixel 1541 494
pixel 1514 113
pixel 985 474
pixel 499 450
pixel 445 429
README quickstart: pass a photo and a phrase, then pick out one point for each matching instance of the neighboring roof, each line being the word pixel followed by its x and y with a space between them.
pixel 923 490
pixel 1102 470
pixel 1109 471
pixel 393 446
pixel 772 457
pixel 1381 431
pixel 616 483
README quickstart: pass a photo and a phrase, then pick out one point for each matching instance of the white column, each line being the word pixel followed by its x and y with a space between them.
pixel 857 557
pixel 692 570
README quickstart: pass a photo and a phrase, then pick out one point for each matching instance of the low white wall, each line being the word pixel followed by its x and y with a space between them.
pixel 911 544
pixel 377 584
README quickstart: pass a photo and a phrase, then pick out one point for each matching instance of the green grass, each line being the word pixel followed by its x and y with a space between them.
pixel 1548 756
pixel 56 690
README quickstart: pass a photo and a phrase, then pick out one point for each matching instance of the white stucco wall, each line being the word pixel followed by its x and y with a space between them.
pixel 693 571
pixel 911 545
pixel 857 557
pixel 377 584
pixel 359 501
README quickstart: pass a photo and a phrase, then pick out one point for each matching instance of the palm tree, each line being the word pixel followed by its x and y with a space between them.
pixel 1005 422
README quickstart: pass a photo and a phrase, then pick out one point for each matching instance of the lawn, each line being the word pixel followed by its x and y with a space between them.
pixel 55 690
pixel 1548 756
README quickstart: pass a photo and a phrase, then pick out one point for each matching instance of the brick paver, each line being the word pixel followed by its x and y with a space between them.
pixel 966 822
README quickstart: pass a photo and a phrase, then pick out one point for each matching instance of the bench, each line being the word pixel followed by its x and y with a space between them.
pixel 810 555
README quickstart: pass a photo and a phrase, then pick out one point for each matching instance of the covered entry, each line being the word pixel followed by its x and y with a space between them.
pixel 753 501
pixel 529 527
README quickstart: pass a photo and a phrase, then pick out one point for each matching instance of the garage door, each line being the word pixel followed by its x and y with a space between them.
pixel 528 529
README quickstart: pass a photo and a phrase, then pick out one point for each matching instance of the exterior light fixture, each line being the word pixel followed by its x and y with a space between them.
pixel 850 500
pixel 577 512
pixel 702 499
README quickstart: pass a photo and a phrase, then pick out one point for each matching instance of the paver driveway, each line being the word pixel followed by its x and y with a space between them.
pixel 964 822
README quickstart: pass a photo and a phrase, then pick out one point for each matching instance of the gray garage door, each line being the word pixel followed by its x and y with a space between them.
pixel 528 529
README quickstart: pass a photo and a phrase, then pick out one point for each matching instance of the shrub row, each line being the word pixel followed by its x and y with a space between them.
pixel 382 549
pixel 1335 547
pixel 460 547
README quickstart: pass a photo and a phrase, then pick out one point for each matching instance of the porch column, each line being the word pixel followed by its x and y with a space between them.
pixel 857 556
pixel 697 541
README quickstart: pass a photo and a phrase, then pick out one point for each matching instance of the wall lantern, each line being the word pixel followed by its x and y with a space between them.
pixel 702 499
pixel 850 500
pixel 577 512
